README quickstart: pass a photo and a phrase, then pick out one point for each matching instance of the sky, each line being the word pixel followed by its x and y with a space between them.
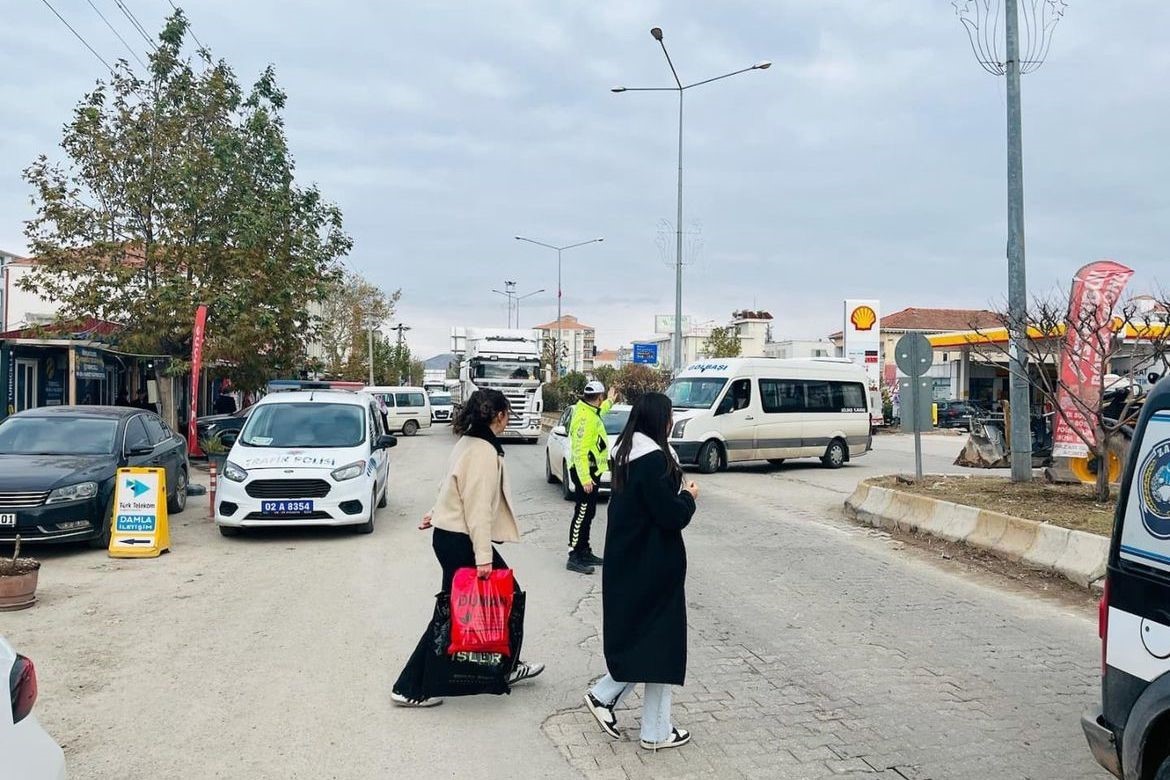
pixel 867 162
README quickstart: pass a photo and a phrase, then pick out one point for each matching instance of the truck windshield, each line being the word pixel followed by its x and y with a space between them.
pixel 505 369
pixel 696 393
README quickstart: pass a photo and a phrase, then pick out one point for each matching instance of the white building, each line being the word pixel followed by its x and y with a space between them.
pixel 754 329
pixel 694 345
pixel 801 348
pixel 578 342
pixel 20 308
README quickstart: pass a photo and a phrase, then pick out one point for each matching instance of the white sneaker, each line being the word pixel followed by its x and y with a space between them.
pixel 398 700
pixel 604 714
pixel 678 737
pixel 524 671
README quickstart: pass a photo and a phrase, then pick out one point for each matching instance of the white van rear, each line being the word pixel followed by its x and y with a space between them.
pixel 407 408
pixel 742 409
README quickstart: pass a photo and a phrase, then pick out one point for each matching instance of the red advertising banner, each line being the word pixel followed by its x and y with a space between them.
pixel 1095 291
pixel 197 336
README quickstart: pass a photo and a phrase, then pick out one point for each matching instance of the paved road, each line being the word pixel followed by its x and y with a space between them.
pixel 818 649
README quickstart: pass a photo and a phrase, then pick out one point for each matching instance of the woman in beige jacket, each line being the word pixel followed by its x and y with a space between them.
pixel 473 510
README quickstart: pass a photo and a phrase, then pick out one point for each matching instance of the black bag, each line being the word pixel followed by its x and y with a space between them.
pixel 469 674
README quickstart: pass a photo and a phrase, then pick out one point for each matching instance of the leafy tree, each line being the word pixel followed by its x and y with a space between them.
pixel 349 307
pixel 635 380
pixel 723 343
pixel 178 189
pixel 606 375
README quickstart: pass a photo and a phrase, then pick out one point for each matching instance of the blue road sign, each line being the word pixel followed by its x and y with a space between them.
pixel 646 354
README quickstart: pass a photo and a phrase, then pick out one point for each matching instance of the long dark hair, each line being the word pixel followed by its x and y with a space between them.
pixel 479 411
pixel 651 416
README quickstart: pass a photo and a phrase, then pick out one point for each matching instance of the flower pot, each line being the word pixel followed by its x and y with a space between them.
pixel 18 591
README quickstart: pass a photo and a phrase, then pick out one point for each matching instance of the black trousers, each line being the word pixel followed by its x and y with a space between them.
pixel 584 510
pixel 454 552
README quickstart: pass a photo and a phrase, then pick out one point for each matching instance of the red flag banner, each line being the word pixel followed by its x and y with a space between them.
pixel 197 336
pixel 1095 291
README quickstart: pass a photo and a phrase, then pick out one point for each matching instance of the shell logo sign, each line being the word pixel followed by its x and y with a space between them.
pixel 863 318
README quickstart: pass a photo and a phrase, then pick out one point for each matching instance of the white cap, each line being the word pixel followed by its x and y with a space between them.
pixel 594 388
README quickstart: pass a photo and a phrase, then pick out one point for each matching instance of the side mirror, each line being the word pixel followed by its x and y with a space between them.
pixel 464 375
pixel 228 438
pixel 560 431
pixel 385 442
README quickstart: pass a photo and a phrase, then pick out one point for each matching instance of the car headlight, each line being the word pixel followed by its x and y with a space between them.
pixel 78 492
pixel 349 472
pixel 233 472
pixel 679 428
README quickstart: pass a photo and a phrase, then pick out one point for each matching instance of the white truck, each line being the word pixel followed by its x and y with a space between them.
pixel 507 360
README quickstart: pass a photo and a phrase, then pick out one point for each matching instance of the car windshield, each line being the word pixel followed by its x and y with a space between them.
pixel 440 399
pixel 615 421
pixel 58 436
pixel 305 425
pixel 695 393
pixel 506 369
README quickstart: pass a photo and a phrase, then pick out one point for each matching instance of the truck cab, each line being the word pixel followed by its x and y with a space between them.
pixel 504 360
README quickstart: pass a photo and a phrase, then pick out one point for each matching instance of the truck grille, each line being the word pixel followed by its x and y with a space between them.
pixel 22 500
pixel 288 488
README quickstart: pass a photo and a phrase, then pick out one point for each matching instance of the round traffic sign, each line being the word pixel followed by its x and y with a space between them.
pixel 913 354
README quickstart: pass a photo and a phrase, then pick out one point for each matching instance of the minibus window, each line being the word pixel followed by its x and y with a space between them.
pixel 782 396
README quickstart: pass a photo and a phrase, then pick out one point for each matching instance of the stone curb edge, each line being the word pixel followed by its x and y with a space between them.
pixel 1077 555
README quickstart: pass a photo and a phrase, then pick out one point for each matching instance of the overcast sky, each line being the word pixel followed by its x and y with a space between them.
pixel 867 162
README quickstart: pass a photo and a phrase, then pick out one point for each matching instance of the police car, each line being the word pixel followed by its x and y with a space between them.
pixel 307 457
pixel 1129 731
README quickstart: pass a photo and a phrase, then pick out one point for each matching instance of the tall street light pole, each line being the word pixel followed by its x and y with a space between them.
pixel 508 292
pixel 680 88
pixel 981 19
pixel 559 250
pixel 522 297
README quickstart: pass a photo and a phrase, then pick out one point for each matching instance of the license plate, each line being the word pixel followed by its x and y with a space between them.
pixel 286 507
pixel 8 521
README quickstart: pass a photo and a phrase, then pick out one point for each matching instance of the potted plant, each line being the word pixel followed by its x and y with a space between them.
pixel 18 581
pixel 215 451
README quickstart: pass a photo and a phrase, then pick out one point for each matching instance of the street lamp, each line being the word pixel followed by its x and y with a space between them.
pixel 981 18
pixel 559 249
pixel 509 292
pixel 522 297
pixel 680 88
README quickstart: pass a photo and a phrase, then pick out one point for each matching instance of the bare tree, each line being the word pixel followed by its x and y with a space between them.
pixel 347 311
pixel 1052 326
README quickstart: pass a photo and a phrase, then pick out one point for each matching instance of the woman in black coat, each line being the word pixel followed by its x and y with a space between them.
pixel 644 611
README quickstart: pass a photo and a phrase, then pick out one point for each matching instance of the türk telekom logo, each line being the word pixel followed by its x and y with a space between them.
pixel 863 318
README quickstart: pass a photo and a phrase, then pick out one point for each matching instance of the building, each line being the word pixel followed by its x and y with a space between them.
pixel 21 308
pixel 801 349
pixel 694 345
pixel 754 329
pixel 929 322
pixel 607 357
pixel 579 342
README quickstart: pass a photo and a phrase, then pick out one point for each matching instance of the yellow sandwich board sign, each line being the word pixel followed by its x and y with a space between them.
pixel 140 514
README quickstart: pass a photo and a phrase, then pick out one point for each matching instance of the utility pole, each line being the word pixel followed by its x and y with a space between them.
pixel 560 317
pixel 403 366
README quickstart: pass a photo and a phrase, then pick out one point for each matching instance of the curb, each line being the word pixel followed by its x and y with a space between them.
pixel 1078 556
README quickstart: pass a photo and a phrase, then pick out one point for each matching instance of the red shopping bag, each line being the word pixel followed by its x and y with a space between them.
pixel 479 612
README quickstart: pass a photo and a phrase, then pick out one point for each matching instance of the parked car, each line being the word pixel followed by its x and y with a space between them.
pixel 442 407
pixel 407 408
pixel 956 414
pixel 307 457
pixel 559 449
pixel 58 463
pixel 29 753
pixel 214 426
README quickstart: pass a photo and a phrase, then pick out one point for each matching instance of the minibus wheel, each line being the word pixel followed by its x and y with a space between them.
pixel 836 455
pixel 409 428
pixel 710 458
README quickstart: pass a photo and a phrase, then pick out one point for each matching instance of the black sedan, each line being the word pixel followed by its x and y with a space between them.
pixel 214 426
pixel 956 414
pixel 57 469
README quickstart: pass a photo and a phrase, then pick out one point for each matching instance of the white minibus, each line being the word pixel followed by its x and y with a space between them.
pixel 407 408
pixel 740 409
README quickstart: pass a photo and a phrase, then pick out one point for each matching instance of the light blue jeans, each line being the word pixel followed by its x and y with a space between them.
pixel 655 705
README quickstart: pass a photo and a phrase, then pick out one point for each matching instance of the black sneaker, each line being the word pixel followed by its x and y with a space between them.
pixel 589 559
pixel 678 737
pixel 576 564
pixel 605 717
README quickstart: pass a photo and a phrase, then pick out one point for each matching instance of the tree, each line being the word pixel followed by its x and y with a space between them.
pixel 635 380
pixel 606 375
pixel 723 343
pixel 1099 333
pixel 349 307
pixel 178 189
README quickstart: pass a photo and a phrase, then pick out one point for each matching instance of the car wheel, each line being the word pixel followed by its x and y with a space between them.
pixel 549 477
pixel 178 502
pixel 710 458
pixel 836 455
pixel 776 461
pixel 368 526
pixel 567 484
pixel 102 540
pixel 229 530
pixel 385 495
pixel 409 428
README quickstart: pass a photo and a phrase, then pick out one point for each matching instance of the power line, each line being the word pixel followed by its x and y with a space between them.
pixel 190 29
pixel 115 32
pixel 83 41
pixel 134 21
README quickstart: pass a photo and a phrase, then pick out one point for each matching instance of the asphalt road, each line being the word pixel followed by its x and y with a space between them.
pixel 817 648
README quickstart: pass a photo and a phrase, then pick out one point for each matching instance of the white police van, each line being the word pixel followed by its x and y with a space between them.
pixel 308 457
pixel 741 409
pixel 1129 732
